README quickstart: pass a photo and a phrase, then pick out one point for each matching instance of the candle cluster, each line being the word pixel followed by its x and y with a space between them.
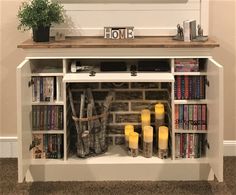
pixel 147 135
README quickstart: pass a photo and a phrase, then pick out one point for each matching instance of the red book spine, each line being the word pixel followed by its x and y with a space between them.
pixel 186 87
pixel 194 117
pixel 178 88
pixel 204 117
pixel 176 116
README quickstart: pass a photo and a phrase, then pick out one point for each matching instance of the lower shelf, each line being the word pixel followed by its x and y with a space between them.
pixel 116 165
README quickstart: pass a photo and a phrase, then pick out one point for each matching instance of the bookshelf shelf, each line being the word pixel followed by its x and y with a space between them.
pixel 48 103
pixel 47 74
pixel 116 164
pixel 48 132
pixel 190 131
pixel 190 73
pixel 205 101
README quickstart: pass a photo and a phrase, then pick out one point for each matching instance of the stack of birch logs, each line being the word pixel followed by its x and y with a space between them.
pixel 91 127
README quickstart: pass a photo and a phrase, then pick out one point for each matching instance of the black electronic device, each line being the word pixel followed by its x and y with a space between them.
pixel 154 65
pixel 113 66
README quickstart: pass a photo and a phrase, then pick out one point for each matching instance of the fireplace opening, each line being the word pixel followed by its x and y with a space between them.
pixel 127 100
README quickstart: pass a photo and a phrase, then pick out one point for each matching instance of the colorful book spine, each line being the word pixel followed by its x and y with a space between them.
pixel 186 120
pixel 190 117
pixel 204 117
pixel 199 117
pixel 177 116
pixel 186 87
pixel 195 111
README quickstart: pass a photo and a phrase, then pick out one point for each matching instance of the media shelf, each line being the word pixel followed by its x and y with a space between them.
pixel 146 87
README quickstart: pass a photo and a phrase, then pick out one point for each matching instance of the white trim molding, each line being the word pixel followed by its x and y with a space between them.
pixel 8 147
pixel 229 147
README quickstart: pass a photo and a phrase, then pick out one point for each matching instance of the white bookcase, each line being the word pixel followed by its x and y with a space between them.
pixel 116 164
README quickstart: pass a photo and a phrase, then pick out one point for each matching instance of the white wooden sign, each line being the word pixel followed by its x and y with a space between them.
pixel 119 32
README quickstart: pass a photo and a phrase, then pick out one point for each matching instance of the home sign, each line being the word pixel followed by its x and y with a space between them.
pixel 119 32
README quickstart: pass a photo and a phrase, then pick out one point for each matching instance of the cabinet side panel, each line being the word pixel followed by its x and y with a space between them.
pixel 215 118
pixel 23 118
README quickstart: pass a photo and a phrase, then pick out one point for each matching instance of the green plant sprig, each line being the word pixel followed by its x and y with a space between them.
pixel 39 13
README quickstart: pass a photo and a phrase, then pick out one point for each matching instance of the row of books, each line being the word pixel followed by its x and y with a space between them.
pixel 47 117
pixel 191 117
pixel 189 145
pixel 187 65
pixel 46 89
pixel 47 146
pixel 190 87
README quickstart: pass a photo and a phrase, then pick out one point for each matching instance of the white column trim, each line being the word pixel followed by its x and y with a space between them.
pixel 8 147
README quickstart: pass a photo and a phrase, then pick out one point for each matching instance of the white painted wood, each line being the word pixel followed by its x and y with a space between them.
pixel 48 132
pixel 8 147
pixel 190 73
pixel 118 53
pixel 215 117
pixel 229 148
pixel 48 103
pixel 24 98
pixel 88 19
pixel 116 165
pixel 47 74
pixel 118 77
pixel 65 149
pixel 173 109
pixel 190 131
pixel 191 101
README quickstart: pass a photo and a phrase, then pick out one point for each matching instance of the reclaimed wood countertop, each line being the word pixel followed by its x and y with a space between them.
pixel 100 42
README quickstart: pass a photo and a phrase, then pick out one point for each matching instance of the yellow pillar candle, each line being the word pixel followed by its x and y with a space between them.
pixel 159 111
pixel 148 134
pixel 163 138
pixel 128 130
pixel 133 140
pixel 145 118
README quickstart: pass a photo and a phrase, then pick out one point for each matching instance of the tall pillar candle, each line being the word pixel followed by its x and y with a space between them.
pixel 147 141
pixel 159 118
pixel 145 118
pixel 133 143
pixel 128 130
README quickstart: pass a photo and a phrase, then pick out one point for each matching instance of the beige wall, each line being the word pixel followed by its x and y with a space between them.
pixel 222 27
pixel 10 57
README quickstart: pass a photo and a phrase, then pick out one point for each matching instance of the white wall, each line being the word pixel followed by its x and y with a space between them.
pixel 147 18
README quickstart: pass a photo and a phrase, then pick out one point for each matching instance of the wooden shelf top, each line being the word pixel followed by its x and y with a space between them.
pixel 100 42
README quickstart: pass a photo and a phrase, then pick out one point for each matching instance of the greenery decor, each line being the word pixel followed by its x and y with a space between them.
pixel 39 15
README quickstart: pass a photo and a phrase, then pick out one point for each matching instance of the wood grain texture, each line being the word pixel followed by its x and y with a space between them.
pixel 100 42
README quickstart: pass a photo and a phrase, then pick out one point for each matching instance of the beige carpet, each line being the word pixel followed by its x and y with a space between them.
pixel 9 185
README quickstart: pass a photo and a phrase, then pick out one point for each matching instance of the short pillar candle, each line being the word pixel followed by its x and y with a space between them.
pixel 128 130
pixel 163 138
pixel 133 143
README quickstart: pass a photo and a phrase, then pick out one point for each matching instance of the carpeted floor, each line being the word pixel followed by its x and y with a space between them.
pixel 9 185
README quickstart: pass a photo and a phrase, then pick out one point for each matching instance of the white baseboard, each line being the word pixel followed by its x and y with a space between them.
pixel 8 147
pixel 230 148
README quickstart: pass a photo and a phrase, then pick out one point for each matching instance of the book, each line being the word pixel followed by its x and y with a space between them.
pixel 189 30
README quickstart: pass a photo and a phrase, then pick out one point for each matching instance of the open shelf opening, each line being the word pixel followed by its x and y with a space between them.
pixel 129 99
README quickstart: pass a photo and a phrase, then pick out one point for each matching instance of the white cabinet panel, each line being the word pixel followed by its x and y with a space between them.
pixel 24 97
pixel 215 117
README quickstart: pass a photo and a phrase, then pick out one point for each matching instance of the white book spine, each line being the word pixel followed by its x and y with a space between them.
pixel 186 26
